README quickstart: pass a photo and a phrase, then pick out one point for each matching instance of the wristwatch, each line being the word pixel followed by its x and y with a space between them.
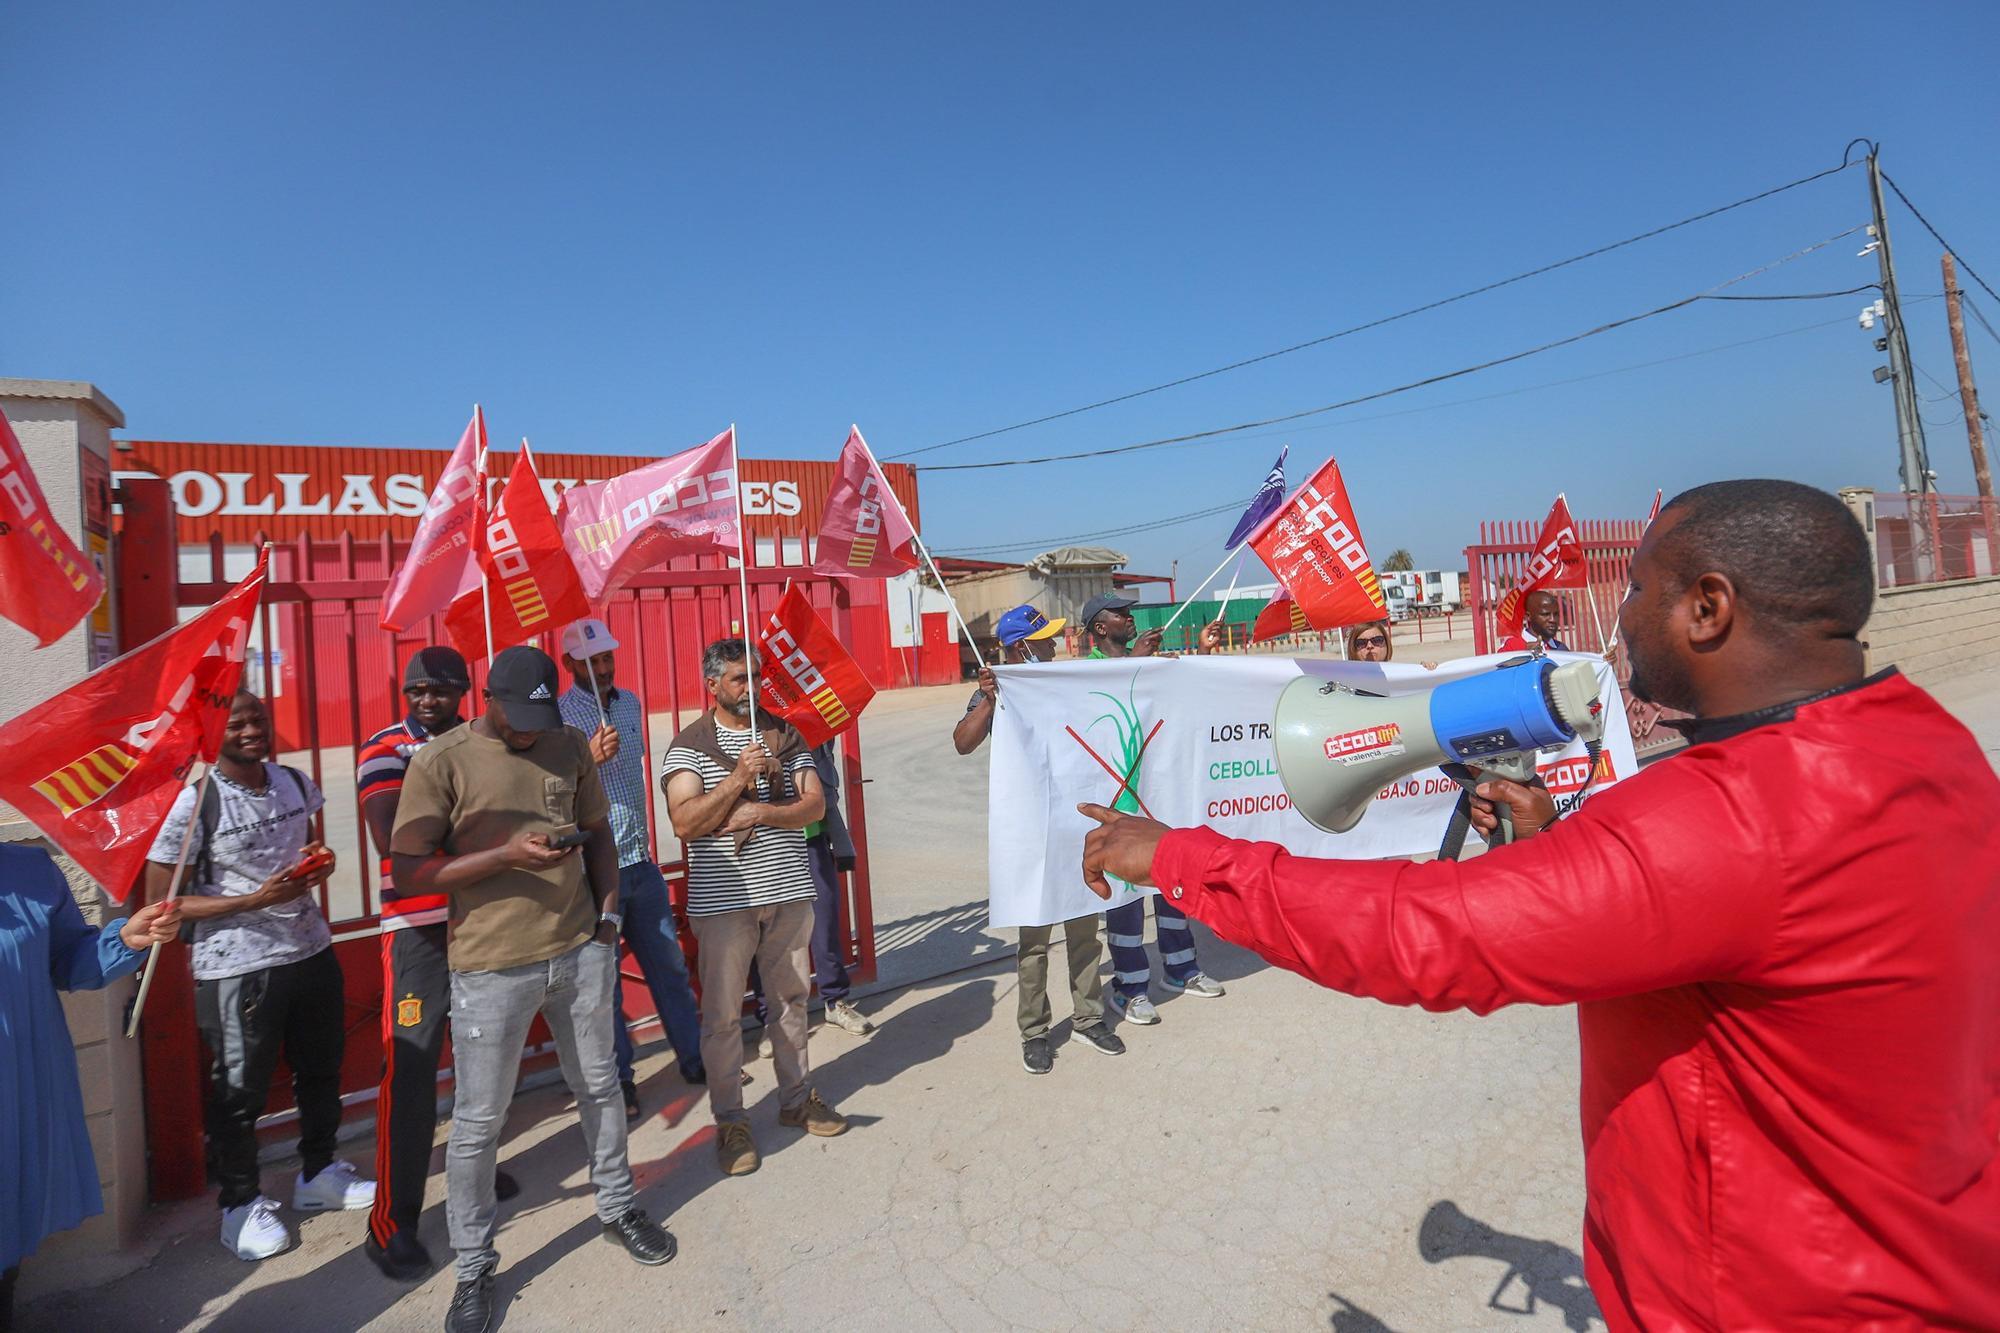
pixel 617 921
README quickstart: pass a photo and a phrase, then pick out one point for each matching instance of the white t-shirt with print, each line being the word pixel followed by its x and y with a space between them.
pixel 258 834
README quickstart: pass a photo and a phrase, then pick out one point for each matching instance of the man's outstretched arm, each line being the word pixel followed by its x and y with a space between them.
pixel 1663 881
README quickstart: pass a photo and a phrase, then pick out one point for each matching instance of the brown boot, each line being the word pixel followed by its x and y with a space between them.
pixel 735 1149
pixel 814 1117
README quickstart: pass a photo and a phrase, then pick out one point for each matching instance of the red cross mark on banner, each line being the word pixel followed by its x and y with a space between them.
pixel 1124 780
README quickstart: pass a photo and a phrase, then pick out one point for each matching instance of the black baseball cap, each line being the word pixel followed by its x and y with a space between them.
pixel 1103 602
pixel 437 666
pixel 522 683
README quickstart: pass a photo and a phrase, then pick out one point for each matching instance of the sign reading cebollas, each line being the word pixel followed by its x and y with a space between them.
pixel 284 491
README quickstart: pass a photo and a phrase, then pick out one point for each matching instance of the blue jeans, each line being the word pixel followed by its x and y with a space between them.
pixel 649 934
pixel 1125 927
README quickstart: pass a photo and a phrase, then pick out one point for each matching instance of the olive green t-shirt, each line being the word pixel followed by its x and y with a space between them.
pixel 467 793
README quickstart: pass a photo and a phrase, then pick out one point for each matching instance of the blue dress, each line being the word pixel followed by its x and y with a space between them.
pixel 48 1179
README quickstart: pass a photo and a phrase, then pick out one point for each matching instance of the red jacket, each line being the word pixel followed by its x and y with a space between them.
pixel 1784 948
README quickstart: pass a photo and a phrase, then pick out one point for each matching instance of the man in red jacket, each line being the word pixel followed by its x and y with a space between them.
pixel 1784 946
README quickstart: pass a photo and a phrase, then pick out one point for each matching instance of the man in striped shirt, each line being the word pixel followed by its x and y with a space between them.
pixel 416 985
pixel 740 793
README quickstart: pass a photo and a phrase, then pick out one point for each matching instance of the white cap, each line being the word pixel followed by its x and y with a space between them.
pixel 587 638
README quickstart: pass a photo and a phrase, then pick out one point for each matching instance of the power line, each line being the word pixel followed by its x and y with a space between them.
pixel 1425 382
pixel 1049 543
pixel 1939 238
pixel 1966 301
pixel 1389 319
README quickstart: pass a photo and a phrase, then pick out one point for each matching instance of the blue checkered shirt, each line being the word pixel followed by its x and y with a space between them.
pixel 624 778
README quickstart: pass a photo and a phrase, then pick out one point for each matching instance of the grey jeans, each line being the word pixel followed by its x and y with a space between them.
pixel 490 1016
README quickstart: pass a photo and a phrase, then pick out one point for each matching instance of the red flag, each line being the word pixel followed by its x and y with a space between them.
pixel 46 584
pixel 1556 562
pixel 1314 547
pixel 533 585
pixel 97 767
pixel 1280 616
pixel 804 675
pixel 1655 511
pixel 681 505
pixel 864 532
pixel 439 568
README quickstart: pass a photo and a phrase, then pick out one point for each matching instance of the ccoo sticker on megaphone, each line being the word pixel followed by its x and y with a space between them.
pixel 1337 748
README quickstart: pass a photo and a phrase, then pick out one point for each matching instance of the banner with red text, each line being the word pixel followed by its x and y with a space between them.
pixel 97 767
pixel 1313 545
pixel 439 568
pixel 805 676
pixel 864 532
pixel 681 505
pixel 531 584
pixel 1188 741
pixel 46 584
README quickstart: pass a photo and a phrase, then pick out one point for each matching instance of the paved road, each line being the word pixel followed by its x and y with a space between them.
pixel 1267 1160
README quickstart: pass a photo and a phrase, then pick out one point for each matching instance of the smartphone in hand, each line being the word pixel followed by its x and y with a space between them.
pixel 573 838
pixel 311 865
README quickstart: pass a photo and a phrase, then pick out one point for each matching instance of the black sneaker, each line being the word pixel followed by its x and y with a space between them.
pixel 471 1306
pixel 1101 1038
pixel 1035 1057
pixel 505 1186
pixel 696 1077
pixel 643 1238
pixel 403 1259
pixel 632 1111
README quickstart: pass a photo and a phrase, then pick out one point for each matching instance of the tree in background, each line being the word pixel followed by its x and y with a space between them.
pixel 1399 559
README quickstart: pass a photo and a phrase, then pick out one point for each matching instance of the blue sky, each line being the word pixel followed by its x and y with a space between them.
pixel 623 226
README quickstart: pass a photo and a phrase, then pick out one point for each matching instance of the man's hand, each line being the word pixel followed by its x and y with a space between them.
pixel 531 851
pixel 742 818
pixel 155 923
pixel 604 743
pixel 1529 807
pixel 282 888
pixel 988 685
pixel 1147 644
pixel 606 934
pixel 755 762
pixel 1121 846
pixel 1213 638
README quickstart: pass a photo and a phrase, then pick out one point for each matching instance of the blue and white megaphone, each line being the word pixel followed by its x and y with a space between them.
pixel 1337 748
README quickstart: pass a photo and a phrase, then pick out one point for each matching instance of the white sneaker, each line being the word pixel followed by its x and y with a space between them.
pixel 338 1188
pixel 848 1019
pixel 252 1230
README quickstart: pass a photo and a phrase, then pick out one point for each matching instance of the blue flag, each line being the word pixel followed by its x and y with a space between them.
pixel 1263 504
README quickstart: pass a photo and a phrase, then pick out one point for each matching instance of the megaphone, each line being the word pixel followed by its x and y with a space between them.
pixel 1337 748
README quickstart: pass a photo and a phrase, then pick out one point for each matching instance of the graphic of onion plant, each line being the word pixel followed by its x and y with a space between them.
pixel 1124 715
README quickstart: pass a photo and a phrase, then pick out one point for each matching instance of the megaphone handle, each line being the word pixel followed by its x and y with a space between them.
pixel 1505 816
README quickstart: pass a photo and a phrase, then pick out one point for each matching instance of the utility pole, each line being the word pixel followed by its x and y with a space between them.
pixel 1915 466
pixel 1968 397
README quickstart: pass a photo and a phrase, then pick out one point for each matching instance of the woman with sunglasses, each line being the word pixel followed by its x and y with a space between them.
pixel 1371 643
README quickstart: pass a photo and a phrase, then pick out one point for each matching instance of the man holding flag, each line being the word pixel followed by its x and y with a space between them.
pixel 1530 613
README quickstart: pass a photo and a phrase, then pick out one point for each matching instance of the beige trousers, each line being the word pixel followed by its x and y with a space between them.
pixel 780 940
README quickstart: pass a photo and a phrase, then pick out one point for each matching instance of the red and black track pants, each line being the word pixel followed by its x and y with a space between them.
pixel 416 999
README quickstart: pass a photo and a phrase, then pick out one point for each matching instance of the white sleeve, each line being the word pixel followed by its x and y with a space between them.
pixel 166 848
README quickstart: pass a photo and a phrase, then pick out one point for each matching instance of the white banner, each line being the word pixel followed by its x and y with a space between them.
pixel 1200 729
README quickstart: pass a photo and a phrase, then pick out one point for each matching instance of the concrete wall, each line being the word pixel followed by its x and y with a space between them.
pixel 1937 630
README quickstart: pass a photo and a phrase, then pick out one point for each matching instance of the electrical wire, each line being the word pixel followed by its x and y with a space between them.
pixel 1890 181
pixel 1425 382
pixel 1050 543
pixel 1966 302
pixel 1390 319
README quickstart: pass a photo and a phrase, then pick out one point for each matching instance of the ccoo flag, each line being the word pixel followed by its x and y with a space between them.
pixel 1280 616
pixel 805 676
pixel 864 532
pixel 46 584
pixel 530 581
pixel 1556 562
pixel 682 505
pixel 97 767
pixel 439 568
pixel 1313 545
pixel 1268 497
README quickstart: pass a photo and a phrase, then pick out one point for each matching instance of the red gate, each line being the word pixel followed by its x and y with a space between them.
pixel 1590 615
pixel 332 678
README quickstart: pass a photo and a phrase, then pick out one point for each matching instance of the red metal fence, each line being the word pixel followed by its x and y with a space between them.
pixel 1935 538
pixel 333 678
pixel 1589 615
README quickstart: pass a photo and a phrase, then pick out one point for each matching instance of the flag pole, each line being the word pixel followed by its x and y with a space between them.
pixel 743 549
pixel 173 892
pixel 1198 591
pixel 479 535
pixel 1237 574
pixel 923 551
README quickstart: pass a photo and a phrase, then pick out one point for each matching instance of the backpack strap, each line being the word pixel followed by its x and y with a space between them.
pixel 209 817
